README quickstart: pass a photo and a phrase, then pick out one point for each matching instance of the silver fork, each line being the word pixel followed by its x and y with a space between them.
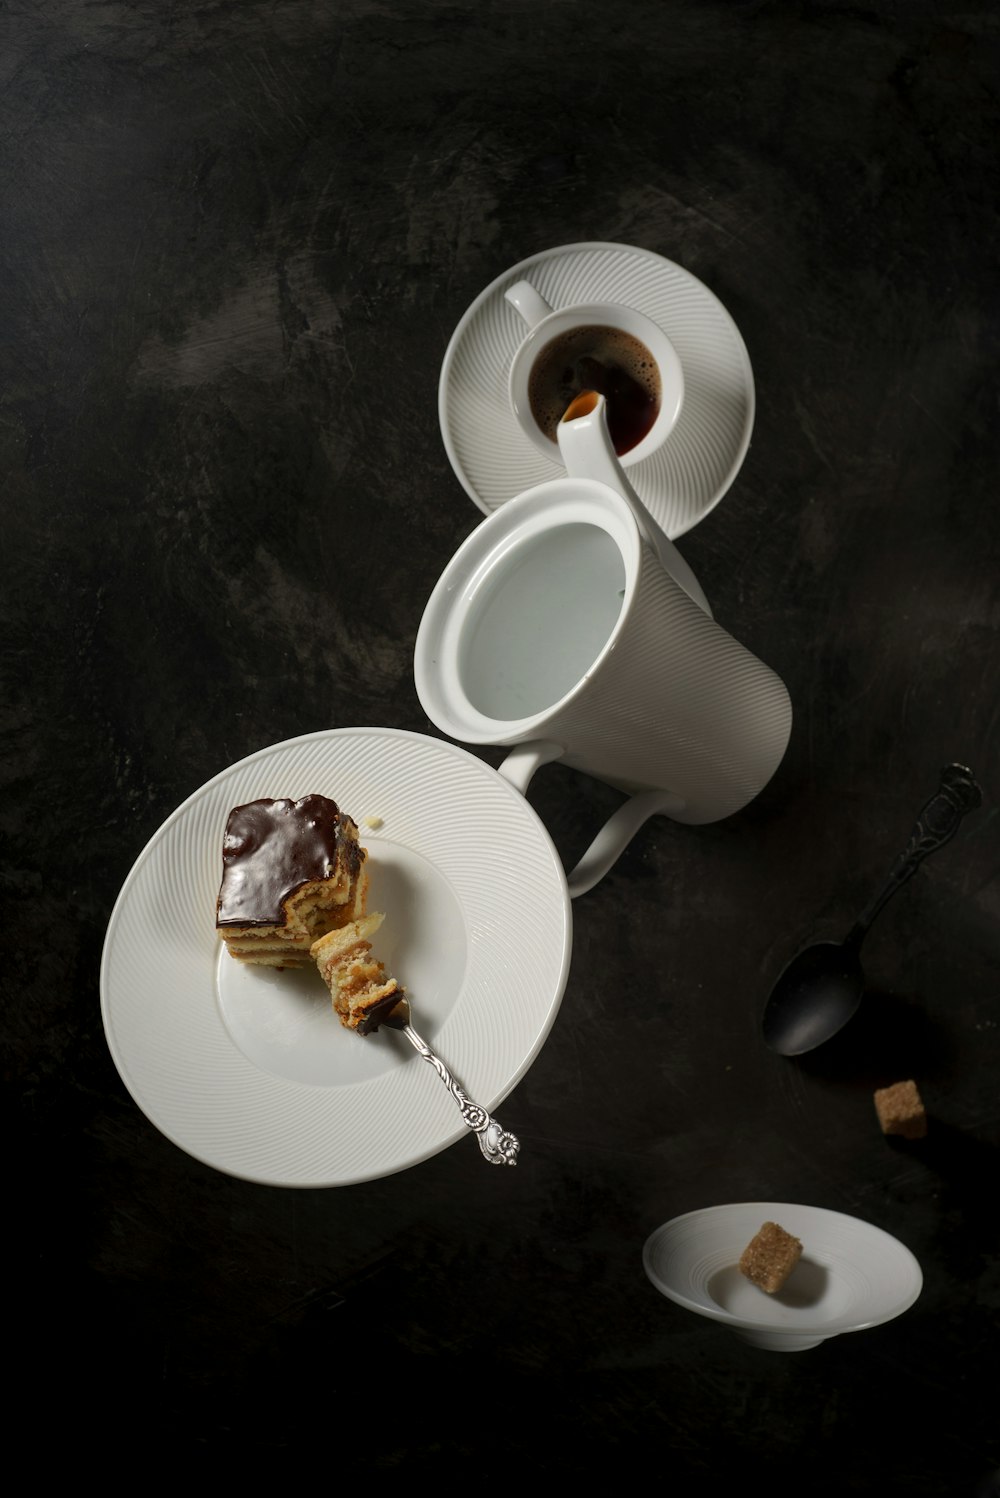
pixel 499 1146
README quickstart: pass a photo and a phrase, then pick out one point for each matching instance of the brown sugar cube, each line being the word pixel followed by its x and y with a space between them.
pixel 901 1111
pixel 770 1257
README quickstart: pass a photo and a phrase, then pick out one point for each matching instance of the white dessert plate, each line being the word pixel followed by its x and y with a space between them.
pixel 689 474
pixel 248 1069
pixel 851 1275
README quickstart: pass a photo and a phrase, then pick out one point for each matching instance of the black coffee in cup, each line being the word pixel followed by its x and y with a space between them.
pixel 614 363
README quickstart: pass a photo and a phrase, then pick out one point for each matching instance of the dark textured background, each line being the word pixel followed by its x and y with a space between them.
pixel 236 239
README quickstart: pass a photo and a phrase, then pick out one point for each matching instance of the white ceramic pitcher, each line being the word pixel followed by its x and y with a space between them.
pixel 569 627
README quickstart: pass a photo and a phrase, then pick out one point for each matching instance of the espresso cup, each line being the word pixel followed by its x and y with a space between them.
pixel 604 346
pixel 566 629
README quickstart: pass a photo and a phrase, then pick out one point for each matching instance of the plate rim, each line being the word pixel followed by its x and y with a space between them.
pixel 122 900
pixel 578 246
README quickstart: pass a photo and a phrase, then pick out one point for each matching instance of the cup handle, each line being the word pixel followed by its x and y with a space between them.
pixel 617 832
pixel 525 298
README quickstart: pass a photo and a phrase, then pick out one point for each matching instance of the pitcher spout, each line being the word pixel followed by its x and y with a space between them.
pixel 589 453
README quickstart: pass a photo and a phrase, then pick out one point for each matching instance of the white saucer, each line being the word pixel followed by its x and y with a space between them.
pixel 248 1069
pixel 851 1275
pixel 690 473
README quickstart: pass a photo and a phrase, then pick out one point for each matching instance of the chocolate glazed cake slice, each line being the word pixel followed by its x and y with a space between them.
pixel 291 872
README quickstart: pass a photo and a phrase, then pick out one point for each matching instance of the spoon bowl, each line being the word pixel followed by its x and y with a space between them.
pixel 821 988
pixel 815 996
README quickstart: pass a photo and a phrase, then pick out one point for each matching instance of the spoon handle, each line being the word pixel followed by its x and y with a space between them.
pixel 498 1146
pixel 937 824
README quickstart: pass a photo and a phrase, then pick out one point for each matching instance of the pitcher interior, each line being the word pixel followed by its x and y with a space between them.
pixel 525 609
pixel 540 619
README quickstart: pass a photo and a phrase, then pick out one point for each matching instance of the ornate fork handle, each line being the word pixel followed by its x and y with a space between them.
pixel 499 1147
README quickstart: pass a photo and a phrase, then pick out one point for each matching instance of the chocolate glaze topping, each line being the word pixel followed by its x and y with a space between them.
pixel 272 848
pixel 383 1013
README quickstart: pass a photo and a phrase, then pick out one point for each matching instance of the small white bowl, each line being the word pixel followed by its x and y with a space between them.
pixel 851 1275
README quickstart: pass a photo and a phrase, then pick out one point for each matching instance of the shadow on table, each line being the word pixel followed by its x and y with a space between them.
pixel 890 1038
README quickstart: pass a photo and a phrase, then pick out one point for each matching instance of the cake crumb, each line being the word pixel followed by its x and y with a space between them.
pixel 372 823
pixel 770 1257
pixel 901 1111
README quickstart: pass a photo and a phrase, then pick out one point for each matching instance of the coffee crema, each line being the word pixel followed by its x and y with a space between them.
pixel 616 364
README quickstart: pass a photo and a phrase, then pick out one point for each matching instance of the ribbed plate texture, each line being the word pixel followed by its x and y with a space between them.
pixel 690 473
pixel 870 1277
pixel 159 993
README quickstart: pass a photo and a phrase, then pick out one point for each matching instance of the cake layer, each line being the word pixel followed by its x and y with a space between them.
pixel 364 994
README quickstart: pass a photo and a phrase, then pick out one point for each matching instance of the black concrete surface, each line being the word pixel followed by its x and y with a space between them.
pixel 236 239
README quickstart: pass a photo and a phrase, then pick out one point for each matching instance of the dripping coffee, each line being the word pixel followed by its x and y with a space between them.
pixel 616 364
pixel 604 346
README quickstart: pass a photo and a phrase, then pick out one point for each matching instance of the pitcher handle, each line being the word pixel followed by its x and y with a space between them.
pixel 617 832
pixel 532 307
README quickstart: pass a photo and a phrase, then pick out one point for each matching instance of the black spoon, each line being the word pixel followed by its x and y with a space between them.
pixel 821 988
